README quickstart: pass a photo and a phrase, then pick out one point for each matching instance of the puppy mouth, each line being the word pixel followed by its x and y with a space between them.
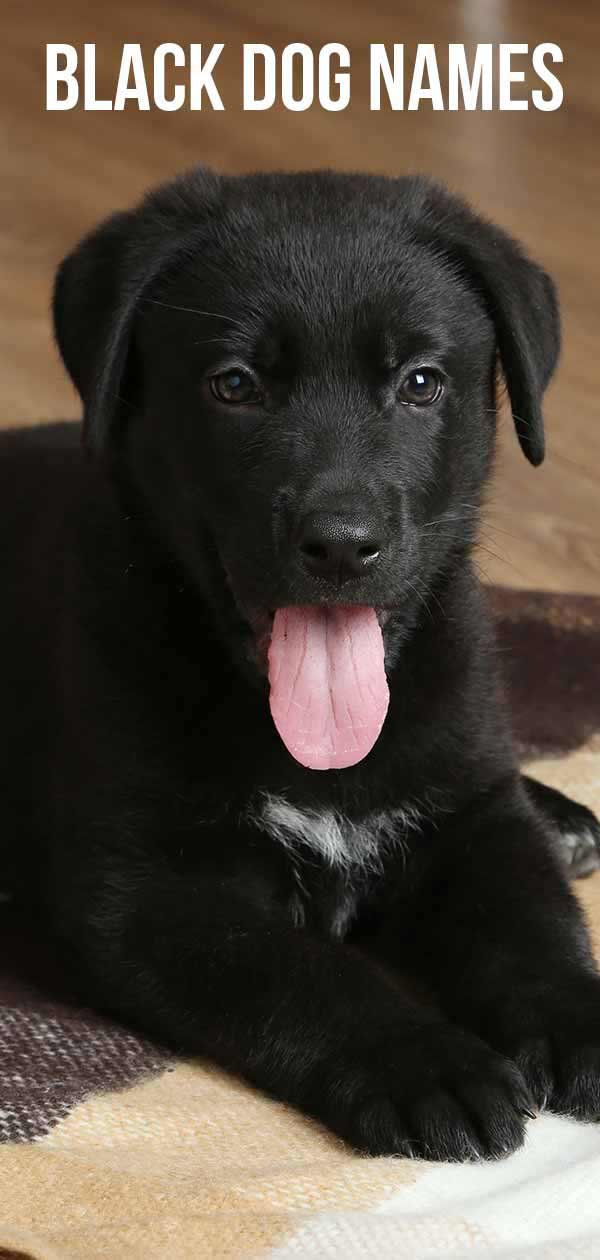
pixel 328 691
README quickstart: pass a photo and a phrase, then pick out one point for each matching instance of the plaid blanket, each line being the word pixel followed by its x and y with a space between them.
pixel 112 1147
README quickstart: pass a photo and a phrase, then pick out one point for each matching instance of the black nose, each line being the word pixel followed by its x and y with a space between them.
pixel 337 546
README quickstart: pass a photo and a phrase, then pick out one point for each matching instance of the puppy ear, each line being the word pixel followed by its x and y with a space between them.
pixel 99 288
pixel 520 298
pixel 91 318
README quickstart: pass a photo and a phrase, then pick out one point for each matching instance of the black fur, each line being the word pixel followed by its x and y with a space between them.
pixel 427 1003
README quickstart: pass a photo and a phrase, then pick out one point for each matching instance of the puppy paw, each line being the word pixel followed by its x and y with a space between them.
pixel 556 1046
pixel 578 837
pixel 444 1095
pixel 579 841
pixel 563 1079
pixel 573 827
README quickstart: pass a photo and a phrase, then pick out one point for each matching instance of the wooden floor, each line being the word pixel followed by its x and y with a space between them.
pixel 537 173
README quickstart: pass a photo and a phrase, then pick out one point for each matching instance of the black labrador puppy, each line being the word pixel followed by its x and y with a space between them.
pixel 260 776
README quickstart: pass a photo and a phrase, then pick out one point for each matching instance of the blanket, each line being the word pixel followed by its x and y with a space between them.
pixel 110 1146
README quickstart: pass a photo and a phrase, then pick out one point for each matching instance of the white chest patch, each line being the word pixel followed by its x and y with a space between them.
pixel 339 841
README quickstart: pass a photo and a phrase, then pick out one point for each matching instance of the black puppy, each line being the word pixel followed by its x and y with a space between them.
pixel 259 770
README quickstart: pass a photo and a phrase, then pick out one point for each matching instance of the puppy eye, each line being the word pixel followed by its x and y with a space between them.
pixel 235 386
pixel 421 387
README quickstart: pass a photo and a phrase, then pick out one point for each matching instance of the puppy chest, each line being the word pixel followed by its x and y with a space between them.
pixel 334 858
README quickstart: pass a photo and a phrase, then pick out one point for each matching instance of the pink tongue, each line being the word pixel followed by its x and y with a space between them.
pixel 329 692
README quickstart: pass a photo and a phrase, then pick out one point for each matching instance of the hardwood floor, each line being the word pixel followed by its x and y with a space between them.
pixel 537 173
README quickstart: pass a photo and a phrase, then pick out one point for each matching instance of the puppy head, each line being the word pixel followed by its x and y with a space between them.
pixel 299 372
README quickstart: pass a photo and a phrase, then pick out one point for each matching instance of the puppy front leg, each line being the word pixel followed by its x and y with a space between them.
pixel 225 974
pixel 575 828
pixel 500 936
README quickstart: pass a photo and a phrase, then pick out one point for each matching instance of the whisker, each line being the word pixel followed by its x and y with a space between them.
pixel 424 593
pixel 210 341
pixel 189 310
pixel 502 560
pixel 520 420
pixel 497 529
pixel 440 520
pixel 482 573
pixel 421 598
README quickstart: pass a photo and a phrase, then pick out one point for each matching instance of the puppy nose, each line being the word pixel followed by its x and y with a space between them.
pixel 338 547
